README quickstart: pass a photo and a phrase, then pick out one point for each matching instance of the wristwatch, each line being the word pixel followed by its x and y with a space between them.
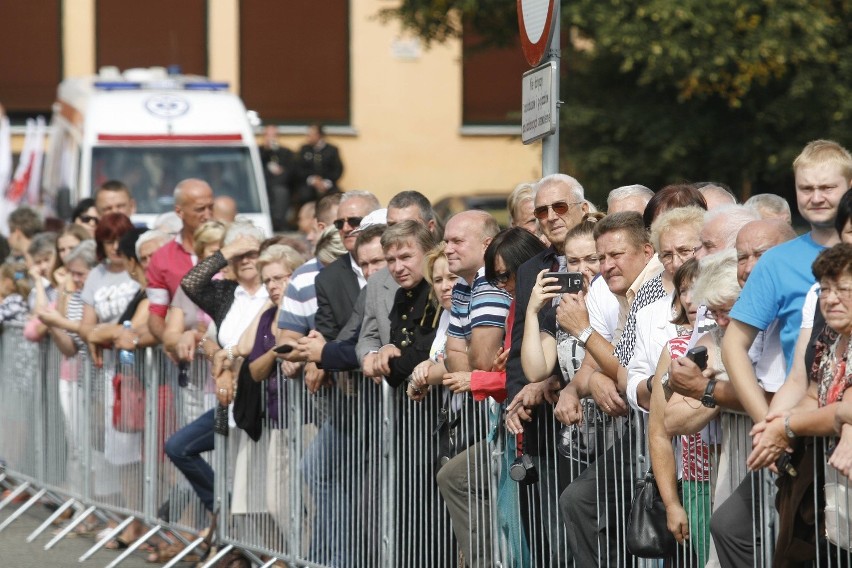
pixel 585 335
pixel 708 399
pixel 787 430
pixel 667 390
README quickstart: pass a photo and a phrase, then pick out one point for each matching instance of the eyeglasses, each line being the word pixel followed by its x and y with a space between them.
pixel 351 221
pixel 842 293
pixel 683 253
pixel 89 219
pixel 502 277
pixel 716 314
pixel 559 207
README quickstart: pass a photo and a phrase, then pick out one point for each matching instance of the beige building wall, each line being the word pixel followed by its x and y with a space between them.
pixel 406 106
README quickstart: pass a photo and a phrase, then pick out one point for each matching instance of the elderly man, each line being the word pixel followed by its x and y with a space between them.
pixel 721 226
pixel 559 206
pixel 628 198
pixel 194 206
pixel 716 194
pixel 338 285
pixel 770 206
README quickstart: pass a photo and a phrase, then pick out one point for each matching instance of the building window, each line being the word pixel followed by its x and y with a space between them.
pixel 31 61
pixel 491 81
pixel 294 60
pixel 152 33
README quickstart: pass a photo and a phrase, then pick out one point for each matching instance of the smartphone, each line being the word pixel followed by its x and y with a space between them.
pixel 283 349
pixel 569 282
pixel 698 356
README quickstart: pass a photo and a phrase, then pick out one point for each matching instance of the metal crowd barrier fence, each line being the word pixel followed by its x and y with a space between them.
pixel 358 475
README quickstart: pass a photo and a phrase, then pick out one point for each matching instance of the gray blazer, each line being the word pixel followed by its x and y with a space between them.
pixel 375 331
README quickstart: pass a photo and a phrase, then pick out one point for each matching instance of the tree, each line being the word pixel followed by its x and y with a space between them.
pixel 658 91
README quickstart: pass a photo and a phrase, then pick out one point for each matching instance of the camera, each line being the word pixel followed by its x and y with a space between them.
pixel 523 470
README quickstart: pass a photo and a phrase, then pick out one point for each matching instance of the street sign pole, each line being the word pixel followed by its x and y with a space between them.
pixel 550 144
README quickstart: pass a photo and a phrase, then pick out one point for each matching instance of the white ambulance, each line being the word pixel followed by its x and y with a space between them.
pixel 150 130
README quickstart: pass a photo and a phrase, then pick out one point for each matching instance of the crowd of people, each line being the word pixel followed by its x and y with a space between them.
pixel 463 313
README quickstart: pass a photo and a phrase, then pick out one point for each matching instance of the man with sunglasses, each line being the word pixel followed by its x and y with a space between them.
pixel 338 284
pixel 559 205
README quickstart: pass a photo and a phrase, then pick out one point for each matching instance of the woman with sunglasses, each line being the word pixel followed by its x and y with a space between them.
pixel 85 215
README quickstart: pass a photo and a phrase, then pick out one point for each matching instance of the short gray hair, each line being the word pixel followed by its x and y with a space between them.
pixel 168 222
pixel 86 252
pixel 578 194
pixel 716 188
pixel 625 191
pixel 42 243
pixel 771 203
pixel 239 228
pixel 284 255
pixel 366 195
pixel 717 284
pixel 736 217
pixel 150 236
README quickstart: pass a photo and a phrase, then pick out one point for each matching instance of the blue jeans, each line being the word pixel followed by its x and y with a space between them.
pixel 322 469
pixel 185 447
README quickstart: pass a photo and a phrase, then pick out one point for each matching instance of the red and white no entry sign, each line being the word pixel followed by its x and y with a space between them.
pixel 535 20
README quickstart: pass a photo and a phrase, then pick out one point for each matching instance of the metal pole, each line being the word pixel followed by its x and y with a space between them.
pixel 550 144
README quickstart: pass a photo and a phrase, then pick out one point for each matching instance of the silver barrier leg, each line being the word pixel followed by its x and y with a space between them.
pixel 132 548
pixel 70 527
pixel 219 555
pixel 186 551
pixel 109 536
pixel 15 492
pixel 22 509
pixel 49 521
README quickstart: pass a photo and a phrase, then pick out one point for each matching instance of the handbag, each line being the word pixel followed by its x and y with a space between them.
pixel 648 535
pixel 128 409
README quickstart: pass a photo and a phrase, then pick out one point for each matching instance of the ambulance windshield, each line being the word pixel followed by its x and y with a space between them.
pixel 152 172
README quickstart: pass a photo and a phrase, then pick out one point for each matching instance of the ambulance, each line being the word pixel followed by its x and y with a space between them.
pixel 151 129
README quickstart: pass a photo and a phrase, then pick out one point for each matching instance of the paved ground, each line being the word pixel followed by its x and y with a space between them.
pixel 16 552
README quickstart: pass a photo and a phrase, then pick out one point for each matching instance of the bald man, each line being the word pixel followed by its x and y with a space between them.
pixel 224 209
pixel 194 206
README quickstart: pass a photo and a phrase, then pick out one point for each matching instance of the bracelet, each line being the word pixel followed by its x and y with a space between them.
pixel 787 430
pixel 200 347
pixel 230 352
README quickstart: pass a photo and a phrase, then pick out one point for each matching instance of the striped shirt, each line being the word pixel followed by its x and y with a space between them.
pixel 480 305
pixel 299 305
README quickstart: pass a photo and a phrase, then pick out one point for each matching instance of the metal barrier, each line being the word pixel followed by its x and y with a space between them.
pixel 358 475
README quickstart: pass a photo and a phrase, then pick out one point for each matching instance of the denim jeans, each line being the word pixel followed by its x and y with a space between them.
pixel 185 447
pixel 323 469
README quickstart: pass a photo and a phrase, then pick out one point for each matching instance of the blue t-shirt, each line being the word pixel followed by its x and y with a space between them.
pixel 776 289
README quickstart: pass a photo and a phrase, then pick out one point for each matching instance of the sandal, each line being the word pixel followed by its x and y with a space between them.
pixel 167 553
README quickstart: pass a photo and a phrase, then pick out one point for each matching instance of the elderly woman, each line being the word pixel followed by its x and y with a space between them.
pixel 819 405
pixel 232 304
pixel 520 205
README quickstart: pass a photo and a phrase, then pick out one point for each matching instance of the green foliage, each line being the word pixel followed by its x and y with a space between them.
pixel 657 91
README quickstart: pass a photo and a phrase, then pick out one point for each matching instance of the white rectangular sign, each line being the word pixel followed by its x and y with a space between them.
pixel 539 114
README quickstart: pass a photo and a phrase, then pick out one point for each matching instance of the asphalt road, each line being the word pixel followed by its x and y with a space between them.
pixel 16 552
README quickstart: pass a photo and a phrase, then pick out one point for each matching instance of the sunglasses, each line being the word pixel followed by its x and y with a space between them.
pixel 351 221
pixel 559 207
pixel 88 219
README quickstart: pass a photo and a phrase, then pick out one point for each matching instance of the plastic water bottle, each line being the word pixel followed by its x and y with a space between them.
pixel 125 356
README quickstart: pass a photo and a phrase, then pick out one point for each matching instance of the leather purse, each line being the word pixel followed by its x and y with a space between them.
pixel 648 535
